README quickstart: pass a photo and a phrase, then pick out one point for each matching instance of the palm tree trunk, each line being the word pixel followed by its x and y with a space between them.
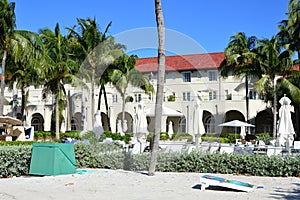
pixel 160 85
pixel 68 122
pixel 100 95
pixel 106 107
pixel 23 104
pixel 247 101
pixel 83 111
pixel 93 95
pixel 15 97
pixel 3 82
pixel 274 109
pixel 57 117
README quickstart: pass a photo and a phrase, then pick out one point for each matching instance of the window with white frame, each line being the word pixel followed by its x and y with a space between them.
pixel 212 95
pixel 186 96
pixel 115 98
pixel 137 97
pixel 186 76
pixel 212 75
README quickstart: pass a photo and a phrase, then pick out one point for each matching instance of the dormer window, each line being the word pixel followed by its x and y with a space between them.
pixel 212 76
pixel 186 76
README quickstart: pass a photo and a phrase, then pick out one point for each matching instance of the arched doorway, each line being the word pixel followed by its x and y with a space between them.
pixel 209 122
pixel 264 121
pixel 37 121
pixel 233 115
pixel 129 121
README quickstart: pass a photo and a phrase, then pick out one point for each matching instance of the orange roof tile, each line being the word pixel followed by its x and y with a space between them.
pixel 182 62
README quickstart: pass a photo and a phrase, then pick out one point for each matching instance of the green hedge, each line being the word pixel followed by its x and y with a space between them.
pixel 15 161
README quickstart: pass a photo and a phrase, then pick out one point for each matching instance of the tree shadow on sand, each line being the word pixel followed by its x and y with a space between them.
pixel 288 194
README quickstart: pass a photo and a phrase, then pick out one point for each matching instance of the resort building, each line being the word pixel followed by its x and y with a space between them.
pixel 187 78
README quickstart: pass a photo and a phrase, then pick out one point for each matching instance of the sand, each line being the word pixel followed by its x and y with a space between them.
pixel 120 184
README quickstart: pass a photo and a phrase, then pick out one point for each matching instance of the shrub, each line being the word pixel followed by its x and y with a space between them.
pixel 182 136
pixel 70 134
pixel 14 160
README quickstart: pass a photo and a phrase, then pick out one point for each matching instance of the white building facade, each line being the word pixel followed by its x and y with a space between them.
pixel 187 77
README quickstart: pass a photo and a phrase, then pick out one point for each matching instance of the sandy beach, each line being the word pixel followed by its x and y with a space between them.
pixel 119 184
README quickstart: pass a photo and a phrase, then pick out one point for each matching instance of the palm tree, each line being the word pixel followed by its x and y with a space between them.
pixel 240 60
pixel 160 84
pixel 60 68
pixel 124 74
pixel 276 63
pixel 7 42
pixel 90 39
pixel 27 68
pixel 290 37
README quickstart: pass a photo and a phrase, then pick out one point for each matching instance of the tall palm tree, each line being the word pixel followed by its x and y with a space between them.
pixel 90 39
pixel 124 74
pixel 276 63
pixel 240 60
pixel 290 37
pixel 60 68
pixel 27 67
pixel 8 43
pixel 160 84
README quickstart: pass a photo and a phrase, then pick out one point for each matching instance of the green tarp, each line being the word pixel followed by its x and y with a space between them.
pixel 52 159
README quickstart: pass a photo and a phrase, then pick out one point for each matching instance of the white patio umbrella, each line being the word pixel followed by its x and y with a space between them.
pixel 170 129
pixel 198 127
pixel 141 120
pixel 98 128
pixel 150 112
pixel 141 128
pixel 238 123
pixel 285 129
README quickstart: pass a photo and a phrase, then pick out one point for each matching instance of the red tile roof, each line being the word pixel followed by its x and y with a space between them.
pixel 182 62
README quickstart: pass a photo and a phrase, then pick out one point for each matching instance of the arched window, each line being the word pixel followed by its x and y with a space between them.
pixel 182 125
pixel 210 125
pixel 35 122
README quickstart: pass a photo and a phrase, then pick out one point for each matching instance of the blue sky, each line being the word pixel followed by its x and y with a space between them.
pixel 193 26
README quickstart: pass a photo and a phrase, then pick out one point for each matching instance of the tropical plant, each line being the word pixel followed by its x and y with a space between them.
pixel 124 74
pixel 241 61
pixel 276 63
pixel 290 37
pixel 7 26
pixel 95 53
pixel 160 85
pixel 60 68
pixel 290 28
pixel 27 68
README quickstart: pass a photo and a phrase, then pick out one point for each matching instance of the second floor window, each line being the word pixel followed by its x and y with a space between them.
pixel 212 76
pixel 137 97
pixel 115 98
pixel 186 76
